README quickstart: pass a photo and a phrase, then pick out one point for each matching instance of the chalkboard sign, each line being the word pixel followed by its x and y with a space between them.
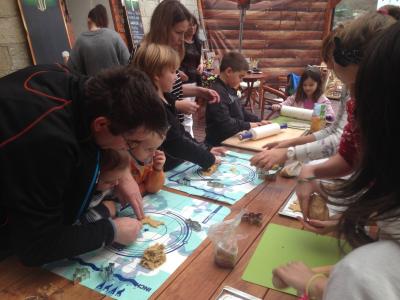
pixel 134 20
pixel 45 26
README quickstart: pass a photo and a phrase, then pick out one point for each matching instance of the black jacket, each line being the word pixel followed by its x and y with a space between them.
pixel 48 165
pixel 226 118
pixel 179 144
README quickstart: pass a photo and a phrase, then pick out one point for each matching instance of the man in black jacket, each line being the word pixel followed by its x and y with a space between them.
pixel 52 126
pixel 228 117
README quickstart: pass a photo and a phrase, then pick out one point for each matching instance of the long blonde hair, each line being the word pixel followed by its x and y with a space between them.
pixel 154 58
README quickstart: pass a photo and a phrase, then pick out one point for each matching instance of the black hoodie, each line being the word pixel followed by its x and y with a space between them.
pixel 48 164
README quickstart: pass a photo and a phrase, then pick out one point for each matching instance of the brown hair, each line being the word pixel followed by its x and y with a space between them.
pixel 98 15
pixel 165 16
pixel 113 160
pixel 154 58
pixel 355 35
pixel 127 98
pixel 391 10
pixel 315 74
pixel 234 60
pixel 373 193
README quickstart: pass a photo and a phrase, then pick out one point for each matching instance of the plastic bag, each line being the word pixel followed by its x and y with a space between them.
pixel 224 238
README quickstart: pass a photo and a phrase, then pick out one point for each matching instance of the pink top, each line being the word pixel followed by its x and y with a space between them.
pixel 309 104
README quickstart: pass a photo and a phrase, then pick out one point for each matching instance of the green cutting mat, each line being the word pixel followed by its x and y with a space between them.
pixel 280 245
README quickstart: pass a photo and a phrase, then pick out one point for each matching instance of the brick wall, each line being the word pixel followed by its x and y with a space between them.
pixel 14 54
pixel 147 7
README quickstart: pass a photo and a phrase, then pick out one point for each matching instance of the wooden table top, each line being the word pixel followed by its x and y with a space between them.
pixel 254 76
pixel 197 278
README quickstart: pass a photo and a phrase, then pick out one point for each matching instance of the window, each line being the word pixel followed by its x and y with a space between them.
pixel 351 9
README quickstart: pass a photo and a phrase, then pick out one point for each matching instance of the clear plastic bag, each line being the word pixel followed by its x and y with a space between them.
pixel 224 238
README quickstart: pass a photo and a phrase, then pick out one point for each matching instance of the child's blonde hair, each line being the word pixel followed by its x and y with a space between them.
pixel 153 59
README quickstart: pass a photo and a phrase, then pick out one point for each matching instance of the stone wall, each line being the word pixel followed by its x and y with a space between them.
pixel 14 53
pixel 147 7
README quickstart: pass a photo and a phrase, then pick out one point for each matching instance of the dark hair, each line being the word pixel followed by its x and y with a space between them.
pixel 166 15
pixel 98 15
pixel 390 10
pixel 234 60
pixel 373 192
pixel 315 74
pixel 127 98
pixel 114 160
pixel 353 37
pixel 197 41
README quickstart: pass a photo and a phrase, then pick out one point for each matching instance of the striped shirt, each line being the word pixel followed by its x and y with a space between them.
pixel 177 93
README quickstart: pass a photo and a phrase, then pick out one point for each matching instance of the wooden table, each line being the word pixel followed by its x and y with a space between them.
pixel 250 79
pixel 197 278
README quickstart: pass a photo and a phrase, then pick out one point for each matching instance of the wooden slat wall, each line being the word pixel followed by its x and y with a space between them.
pixel 285 35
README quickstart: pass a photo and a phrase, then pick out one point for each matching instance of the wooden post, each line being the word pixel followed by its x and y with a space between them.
pixel 329 14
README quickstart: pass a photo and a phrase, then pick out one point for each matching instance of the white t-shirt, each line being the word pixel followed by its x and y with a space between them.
pixel 371 272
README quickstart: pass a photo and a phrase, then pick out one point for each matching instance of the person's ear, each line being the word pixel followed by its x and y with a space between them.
pixel 100 124
pixel 156 79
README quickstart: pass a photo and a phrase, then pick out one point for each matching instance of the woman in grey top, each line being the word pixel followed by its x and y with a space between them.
pixel 99 48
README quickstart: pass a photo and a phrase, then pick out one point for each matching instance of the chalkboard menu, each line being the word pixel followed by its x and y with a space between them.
pixel 45 26
pixel 134 20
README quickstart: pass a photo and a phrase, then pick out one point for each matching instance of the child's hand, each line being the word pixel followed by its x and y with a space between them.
pixel 186 106
pixel 254 124
pixel 264 122
pixel 158 160
pixel 276 107
pixel 294 274
pixel 183 75
pixel 218 151
pixel 126 230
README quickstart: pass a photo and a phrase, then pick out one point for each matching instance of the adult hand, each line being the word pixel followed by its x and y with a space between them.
pixel 305 189
pixel 128 191
pixel 268 158
pixel 158 160
pixel 293 274
pixel 276 107
pixel 186 106
pixel 126 230
pixel 183 75
pixel 321 227
pixel 200 69
pixel 210 95
pixel 218 151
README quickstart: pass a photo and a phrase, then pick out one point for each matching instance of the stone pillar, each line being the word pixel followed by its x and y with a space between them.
pixel 14 53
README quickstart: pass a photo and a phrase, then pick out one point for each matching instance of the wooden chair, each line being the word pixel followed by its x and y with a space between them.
pixel 274 96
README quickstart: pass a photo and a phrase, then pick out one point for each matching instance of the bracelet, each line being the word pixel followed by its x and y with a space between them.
pixel 306 179
pixel 310 281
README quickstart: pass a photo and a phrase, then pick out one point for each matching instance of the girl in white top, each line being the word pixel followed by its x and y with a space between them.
pixel 372 270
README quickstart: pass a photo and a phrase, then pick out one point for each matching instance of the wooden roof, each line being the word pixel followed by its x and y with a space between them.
pixel 285 35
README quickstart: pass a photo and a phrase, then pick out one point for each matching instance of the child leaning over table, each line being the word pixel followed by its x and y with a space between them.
pixel 309 92
pixel 147 163
pixel 228 117
pixel 113 165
